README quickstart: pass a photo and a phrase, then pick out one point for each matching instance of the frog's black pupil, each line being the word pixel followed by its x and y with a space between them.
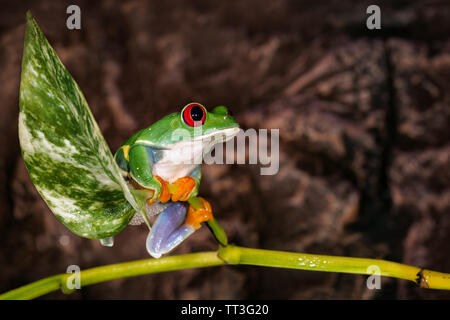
pixel 196 113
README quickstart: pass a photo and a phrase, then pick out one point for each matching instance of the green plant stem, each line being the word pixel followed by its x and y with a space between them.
pixel 218 232
pixel 269 258
pixel 235 255
pixel 34 289
pixel 114 271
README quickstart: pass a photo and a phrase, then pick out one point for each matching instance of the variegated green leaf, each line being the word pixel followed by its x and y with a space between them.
pixel 64 151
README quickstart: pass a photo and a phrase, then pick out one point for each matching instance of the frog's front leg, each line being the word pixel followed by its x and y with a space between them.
pixel 141 164
pixel 174 225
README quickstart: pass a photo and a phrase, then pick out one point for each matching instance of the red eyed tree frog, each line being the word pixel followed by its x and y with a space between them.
pixel 164 161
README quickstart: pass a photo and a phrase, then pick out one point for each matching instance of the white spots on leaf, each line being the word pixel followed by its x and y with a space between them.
pixel 70 147
pixel 30 67
pixel 63 207
pixel 117 221
pixel 25 135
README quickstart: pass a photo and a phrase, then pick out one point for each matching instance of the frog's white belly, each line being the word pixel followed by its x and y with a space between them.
pixel 181 159
pixel 171 172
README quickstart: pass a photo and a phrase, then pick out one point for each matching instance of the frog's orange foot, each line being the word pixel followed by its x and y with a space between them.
pixel 182 188
pixel 164 195
pixel 199 215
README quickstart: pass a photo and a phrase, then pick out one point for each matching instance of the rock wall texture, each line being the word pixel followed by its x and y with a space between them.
pixel 364 137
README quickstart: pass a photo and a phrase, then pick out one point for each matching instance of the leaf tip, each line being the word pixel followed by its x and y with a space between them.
pixel 29 16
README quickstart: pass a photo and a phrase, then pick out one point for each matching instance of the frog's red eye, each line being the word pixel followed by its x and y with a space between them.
pixel 194 114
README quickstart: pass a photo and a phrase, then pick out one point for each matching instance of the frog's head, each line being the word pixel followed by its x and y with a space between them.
pixel 194 124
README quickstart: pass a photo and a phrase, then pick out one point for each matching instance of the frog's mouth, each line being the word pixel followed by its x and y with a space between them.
pixel 208 141
pixel 218 136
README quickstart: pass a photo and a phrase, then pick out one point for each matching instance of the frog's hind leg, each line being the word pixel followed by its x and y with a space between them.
pixel 169 230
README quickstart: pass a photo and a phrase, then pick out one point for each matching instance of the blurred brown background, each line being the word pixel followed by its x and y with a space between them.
pixel 364 137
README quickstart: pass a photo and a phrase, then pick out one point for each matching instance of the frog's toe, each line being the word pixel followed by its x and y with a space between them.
pixel 199 211
pixel 182 188
pixel 168 230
